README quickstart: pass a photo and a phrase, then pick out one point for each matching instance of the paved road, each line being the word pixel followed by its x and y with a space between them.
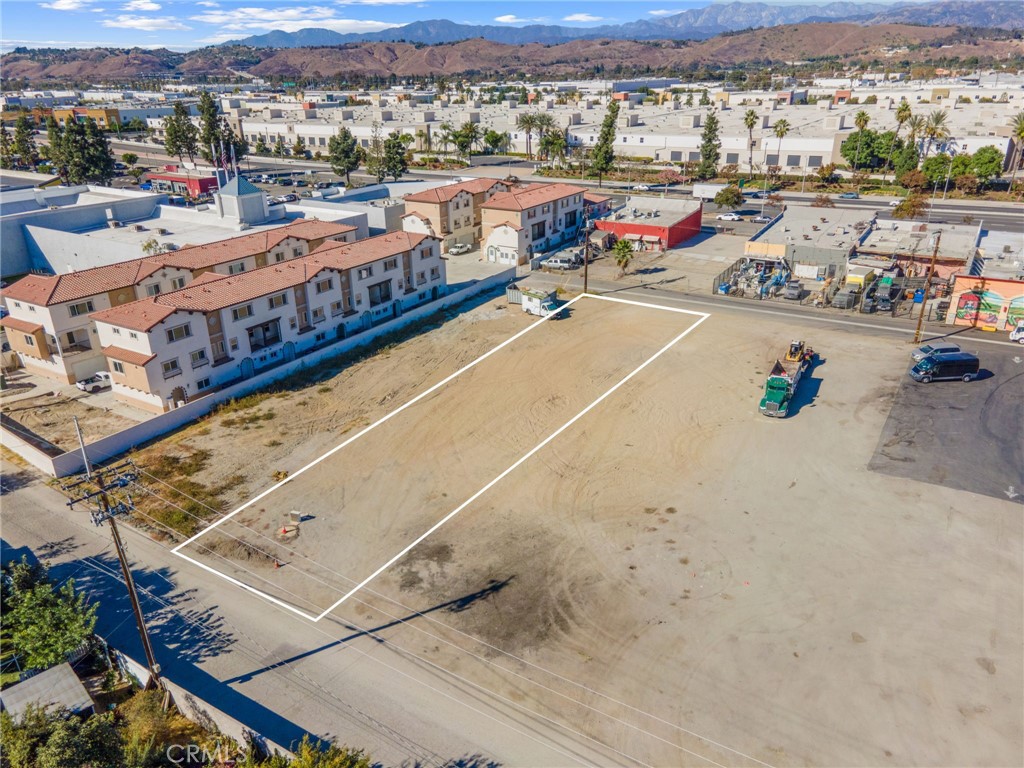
pixel 282 676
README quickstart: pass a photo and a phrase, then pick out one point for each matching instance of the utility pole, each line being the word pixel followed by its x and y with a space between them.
pixel 927 287
pixel 122 475
pixel 586 252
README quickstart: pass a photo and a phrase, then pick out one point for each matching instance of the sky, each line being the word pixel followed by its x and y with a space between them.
pixel 183 25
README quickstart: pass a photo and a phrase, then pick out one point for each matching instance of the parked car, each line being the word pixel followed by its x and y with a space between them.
pixel 458 248
pixel 323 185
pixel 762 219
pixel 938 348
pixel 729 217
pixel 95 383
pixel 894 203
pixel 759 195
pixel 1017 334
pixel 559 262
pixel 300 183
pixel 794 290
pixel 284 182
pixel 641 188
pixel 849 196
pixel 3 312
pixel 947 367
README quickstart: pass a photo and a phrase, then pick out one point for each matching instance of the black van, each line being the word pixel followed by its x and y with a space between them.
pixel 953 365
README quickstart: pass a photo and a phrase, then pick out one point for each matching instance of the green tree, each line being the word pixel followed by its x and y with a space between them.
pixel 705 100
pixel 861 120
pixel 129 159
pixel 780 130
pixel 1017 133
pixel 74 743
pixel 527 122
pixel 497 141
pixel 936 129
pixel 710 147
pixel 750 121
pixel 209 127
pixel 602 160
pixel 914 206
pixel 6 149
pixel 279 148
pixel 395 164
pixel 261 147
pixel 903 115
pixel 467 137
pixel 730 197
pixel 45 623
pixel 299 147
pixel 826 174
pixel 314 754
pixel 987 164
pixel 343 154
pixel 375 154
pixel 98 159
pixel 24 144
pixel 553 145
pixel 936 168
pixel 689 99
pixel 623 253
pixel 906 160
pixel 181 137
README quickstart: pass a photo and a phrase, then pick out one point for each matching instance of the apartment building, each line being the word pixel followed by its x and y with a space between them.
pixel 451 212
pixel 169 348
pixel 530 219
pixel 49 325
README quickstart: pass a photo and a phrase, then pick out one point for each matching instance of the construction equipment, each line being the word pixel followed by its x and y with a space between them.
pixel 796 351
pixel 782 383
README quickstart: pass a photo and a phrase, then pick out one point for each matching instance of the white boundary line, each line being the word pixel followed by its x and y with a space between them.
pixel 702 316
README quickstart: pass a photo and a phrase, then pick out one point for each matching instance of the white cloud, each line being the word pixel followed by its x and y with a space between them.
pixel 666 12
pixel 511 18
pixel 289 19
pixel 378 2
pixel 584 17
pixel 144 23
pixel 141 5
pixel 66 5
pixel 208 4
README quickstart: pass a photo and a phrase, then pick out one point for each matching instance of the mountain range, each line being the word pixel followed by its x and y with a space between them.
pixel 694 24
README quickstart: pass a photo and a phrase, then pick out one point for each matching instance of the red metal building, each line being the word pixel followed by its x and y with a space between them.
pixel 179 183
pixel 665 230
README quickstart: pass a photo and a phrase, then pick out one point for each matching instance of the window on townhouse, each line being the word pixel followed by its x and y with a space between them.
pixel 390 264
pixel 793 161
pixel 538 230
pixel 234 269
pixel 116 331
pixel 318 315
pixel 365 272
pixel 218 350
pixel 153 290
pixel 570 219
pixel 29 340
pixel 171 368
pixel 814 161
pixel 132 335
pixel 278 301
pixel 178 283
pixel 324 285
pixel 199 358
pixel 531 214
pixel 421 277
pixel 77 310
pixel 233 344
pixel 278 257
pixel 31 308
pixel 380 293
pixel 322 336
pixel 17 304
pixel 435 273
pixel 337 308
pixel 297 251
pixel 772 159
pixel 242 312
pixel 203 384
pixel 293 323
pixel 425 253
pixel 117 366
pixel 641 139
pixel 179 332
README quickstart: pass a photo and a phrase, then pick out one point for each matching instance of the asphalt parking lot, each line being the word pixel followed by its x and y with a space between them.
pixel 965 436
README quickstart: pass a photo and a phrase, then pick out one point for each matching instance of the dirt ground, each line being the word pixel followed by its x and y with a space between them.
pixel 49 415
pixel 675 575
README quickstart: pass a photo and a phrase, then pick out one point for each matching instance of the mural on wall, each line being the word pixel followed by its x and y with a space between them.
pixel 1015 312
pixel 976 304
pixel 979 308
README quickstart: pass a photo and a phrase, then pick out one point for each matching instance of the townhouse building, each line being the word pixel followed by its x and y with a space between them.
pixel 49 325
pixel 530 219
pixel 451 212
pixel 166 349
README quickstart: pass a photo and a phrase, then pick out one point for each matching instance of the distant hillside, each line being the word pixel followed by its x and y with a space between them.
pixel 577 58
pixel 694 24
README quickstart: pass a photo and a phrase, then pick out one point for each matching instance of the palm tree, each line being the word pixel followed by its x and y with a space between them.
pixel 861 120
pixel 1017 133
pixel 445 136
pixel 750 120
pixel 543 125
pixel 916 124
pixel 936 129
pixel 780 130
pixel 527 122
pixel 903 114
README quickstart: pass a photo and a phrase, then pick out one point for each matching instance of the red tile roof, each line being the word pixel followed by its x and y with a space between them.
pixel 447 192
pixel 127 355
pixel 46 290
pixel 139 315
pixel 348 255
pixel 220 291
pixel 19 325
pixel 522 198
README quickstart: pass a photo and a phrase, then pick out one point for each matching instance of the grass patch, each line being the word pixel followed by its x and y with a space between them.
pixel 246 420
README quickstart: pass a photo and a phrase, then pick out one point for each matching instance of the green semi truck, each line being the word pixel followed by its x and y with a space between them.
pixel 784 379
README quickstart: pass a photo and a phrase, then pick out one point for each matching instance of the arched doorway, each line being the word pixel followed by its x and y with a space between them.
pixel 246 368
pixel 289 351
pixel 178 397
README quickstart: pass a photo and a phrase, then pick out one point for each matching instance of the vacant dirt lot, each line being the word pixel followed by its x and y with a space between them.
pixel 49 416
pixel 675 575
